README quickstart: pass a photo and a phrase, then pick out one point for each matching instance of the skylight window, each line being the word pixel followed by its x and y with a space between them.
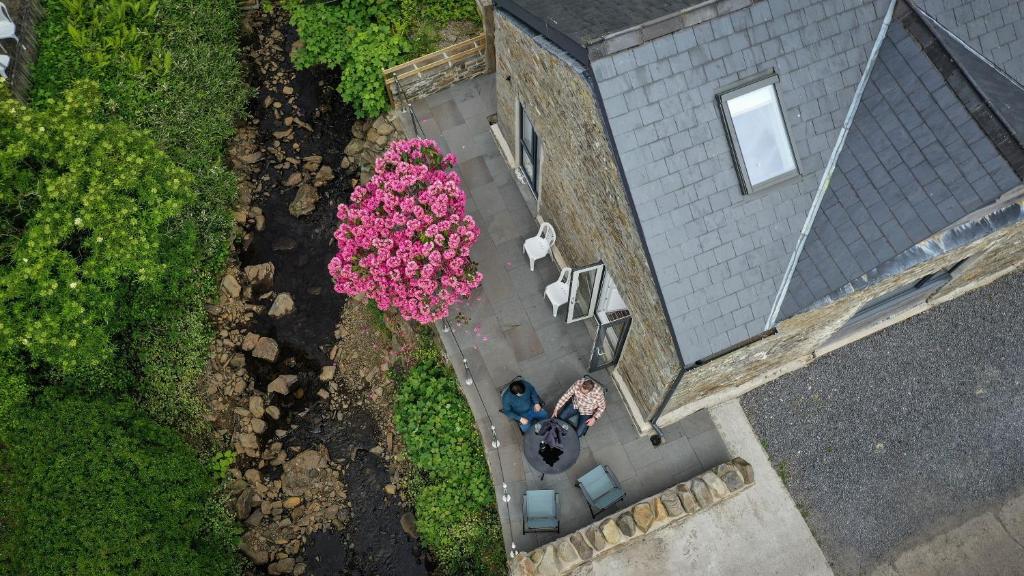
pixel 760 140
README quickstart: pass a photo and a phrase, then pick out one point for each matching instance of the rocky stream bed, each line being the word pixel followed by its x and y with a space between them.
pixel 298 382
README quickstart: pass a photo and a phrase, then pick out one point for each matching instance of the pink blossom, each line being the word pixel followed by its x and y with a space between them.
pixel 404 237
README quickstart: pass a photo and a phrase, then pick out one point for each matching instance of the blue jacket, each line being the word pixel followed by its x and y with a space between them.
pixel 517 407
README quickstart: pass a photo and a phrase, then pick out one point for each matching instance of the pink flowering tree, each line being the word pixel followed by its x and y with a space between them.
pixel 404 238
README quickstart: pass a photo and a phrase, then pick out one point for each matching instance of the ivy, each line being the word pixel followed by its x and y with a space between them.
pixel 453 494
pixel 363 37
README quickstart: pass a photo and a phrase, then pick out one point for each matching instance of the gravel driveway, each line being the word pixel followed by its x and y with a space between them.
pixel 904 433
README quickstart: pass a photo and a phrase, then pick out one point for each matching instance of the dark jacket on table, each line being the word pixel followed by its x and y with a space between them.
pixel 516 407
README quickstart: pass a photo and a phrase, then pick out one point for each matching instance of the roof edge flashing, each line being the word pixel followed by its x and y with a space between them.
pixel 542 28
pixel 634 36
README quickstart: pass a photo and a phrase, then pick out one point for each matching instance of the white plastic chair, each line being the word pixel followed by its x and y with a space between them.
pixel 540 245
pixel 5 61
pixel 558 291
pixel 7 26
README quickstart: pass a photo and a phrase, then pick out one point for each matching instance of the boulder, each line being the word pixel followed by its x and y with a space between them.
pixel 265 349
pixel 731 476
pixel 643 516
pixel 302 471
pixel 258 426
pixel 304 202
pixel 610 531
pixel 583 550
pixel 282 384
pixel 717 488
pixel 702 493
pixel 256 406
pixel 626 524
pixel 595 538
pixel 294 179
pixel 746 470
pixel 408 521
pixel 673 507
pixel 566 552
pixel 230 287
pixel 281 567
pixel 244 504
pixel 323 176
pixel 260 276
pixel 282 306
pixel 248 441
pixel 686 498
pixel 249 341
pixel 257 556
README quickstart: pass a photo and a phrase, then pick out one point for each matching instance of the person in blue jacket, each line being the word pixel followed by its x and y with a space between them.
pixel 522 404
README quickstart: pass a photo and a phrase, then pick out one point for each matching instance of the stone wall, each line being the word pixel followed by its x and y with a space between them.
pixel 800 337
pixel 582 195
pixel 664 509
pixel 436 71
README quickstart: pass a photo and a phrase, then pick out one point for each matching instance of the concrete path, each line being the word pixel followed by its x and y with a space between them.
pixel 991 544
pixel 758 532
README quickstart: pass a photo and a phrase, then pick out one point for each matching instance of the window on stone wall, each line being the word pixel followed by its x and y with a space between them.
pixel 757 131
pixel 529 149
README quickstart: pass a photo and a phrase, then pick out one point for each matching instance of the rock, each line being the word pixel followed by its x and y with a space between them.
pixel 566 553
pixel 282 134
pixel 715 485
pixel 390 489
pixel 230 287
pixel 643 516
pixel 282 384
pixel 610 531
pixel 249 341
pixel 595 538
pixel 248 441
pixel 304 202
pixel 355 146
pixel 281 567
pixel 731 476
pixel 323 176
pixel 294 179
pixel 383 126
pixel 702 493
pixel 302 471
pixel 312 162
pixel 237 361
pixel 245 503
pixel 548 562
pixel 252 476
pixel 274 412
pixel 254 519
pixel 265 349
pixel 260 276
pixel 408 521
pixel 287 90
pixel 257 556
pixel 282 306
pixel 251 158
pixel 256 406
pixel 673 507
pixel 583 550
pixel 323 394
pixel 626 525
pixel 686 498
pixel 377 450
pixel 258 426
pixel 746 470
pixel 299 570
pixel 327 373
pixel 292 502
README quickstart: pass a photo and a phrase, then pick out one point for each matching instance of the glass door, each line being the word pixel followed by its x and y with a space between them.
pixel 529 146
pixel 583 290
pixel 611 336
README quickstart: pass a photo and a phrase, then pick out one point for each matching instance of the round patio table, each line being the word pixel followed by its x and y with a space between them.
pixel 546 459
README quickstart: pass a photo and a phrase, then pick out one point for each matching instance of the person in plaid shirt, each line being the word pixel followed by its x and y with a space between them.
pixel 584 399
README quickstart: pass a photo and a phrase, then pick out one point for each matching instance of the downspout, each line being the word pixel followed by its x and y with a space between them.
pixel 826 175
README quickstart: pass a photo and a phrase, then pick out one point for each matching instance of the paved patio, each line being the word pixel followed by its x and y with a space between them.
pixel 507 329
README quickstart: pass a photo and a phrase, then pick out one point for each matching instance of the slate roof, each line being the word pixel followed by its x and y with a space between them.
pixel 914 162
pixel 719 255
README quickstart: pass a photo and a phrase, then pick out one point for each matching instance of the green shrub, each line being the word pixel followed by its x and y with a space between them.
pixel 190 111
pixel 95 487
pixel 363 37
pixel 84 206
pixel 453 494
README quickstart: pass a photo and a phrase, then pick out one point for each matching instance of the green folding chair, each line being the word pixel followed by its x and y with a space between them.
pixel 540 511
pixel 600 489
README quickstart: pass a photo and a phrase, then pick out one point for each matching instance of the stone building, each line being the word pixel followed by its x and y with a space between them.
pixel 740 185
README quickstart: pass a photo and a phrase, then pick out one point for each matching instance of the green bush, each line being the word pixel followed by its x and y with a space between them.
pixel 170 68
pixel 95 487
pixel 363 37
pixel 84 206
pixel 453 494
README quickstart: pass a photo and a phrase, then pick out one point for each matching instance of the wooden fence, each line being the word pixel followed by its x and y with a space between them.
pixel 433 72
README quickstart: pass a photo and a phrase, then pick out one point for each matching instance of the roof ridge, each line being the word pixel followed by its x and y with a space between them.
pixel 826 175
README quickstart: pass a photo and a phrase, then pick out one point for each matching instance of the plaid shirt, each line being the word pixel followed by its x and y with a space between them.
pixel 590 403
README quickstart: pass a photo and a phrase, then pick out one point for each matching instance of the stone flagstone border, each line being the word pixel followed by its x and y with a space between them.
pixel 663 509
